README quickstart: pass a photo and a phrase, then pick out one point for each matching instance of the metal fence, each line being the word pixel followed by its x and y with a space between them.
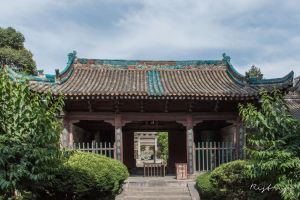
pixel 209 155
pixel 102 148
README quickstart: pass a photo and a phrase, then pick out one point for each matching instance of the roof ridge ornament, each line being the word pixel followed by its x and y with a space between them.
pixel 226 58
pixel 72 55
pixel 62 76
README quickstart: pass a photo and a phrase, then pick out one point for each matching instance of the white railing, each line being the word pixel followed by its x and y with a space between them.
pixel 102 148
pixel 209 155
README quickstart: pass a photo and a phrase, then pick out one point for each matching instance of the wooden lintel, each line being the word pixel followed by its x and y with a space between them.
pixel 137 116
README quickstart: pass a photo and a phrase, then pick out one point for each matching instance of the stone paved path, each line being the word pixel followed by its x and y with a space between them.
pixel 158 189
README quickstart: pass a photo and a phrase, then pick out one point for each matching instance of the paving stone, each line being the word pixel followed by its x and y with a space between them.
pixel 156 189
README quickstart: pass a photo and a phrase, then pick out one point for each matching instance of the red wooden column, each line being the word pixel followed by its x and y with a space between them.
pixel 118 137
pixel 190 144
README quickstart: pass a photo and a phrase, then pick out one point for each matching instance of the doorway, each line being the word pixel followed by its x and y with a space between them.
pixel 151 147
pixel 153 142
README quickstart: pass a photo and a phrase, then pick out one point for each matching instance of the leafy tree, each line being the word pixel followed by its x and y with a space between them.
pixel 164 145
pixel 254 72
pixel 11 38
pixel 29 137
pixel 274 143
pixel 13 52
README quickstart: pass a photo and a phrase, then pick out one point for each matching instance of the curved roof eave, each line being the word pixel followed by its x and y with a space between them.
pixel 241 79
pixel 66 73
pixel 49 78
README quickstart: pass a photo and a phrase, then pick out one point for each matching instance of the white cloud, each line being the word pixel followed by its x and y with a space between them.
pixel 177 29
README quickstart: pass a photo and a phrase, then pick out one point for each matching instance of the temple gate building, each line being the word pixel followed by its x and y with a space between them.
pixel 195 101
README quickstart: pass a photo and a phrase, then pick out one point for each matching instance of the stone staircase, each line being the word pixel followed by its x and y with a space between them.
pixel 158 189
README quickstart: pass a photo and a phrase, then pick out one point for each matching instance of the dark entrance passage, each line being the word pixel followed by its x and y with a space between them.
pixel 94 136
pixel 93 130
pixel 148 130
pixel 214 144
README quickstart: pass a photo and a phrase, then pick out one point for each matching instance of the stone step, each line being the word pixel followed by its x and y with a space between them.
pixel 154 198
pixel 157 189
pixel 155 193
pixel 158 184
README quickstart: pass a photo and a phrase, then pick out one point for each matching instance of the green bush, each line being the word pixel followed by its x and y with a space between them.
pixel 87 176
pixel 231 174
pixel 234 180
pixel 205 188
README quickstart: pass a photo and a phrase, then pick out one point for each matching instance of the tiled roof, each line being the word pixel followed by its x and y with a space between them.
pixel 166 79
pixel 293 99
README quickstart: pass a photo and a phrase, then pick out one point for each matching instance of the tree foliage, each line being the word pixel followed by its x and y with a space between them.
pixel 163 143
pixel 13 52
pixel 254 72
pixel 274 143
pixel 11 38
pixel 29 136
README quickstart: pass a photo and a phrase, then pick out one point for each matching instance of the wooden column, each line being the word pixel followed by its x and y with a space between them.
pixel 71 133
pixel 71 136
pixel 118 137
pixel 67 138
pixel 242 141
pixel 64 138
pixel 190 144
pixel 237 140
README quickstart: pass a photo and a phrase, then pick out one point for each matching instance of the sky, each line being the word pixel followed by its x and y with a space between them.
pixel 265 33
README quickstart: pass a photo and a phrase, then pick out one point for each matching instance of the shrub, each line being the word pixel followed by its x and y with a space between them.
pixel 273 140
pixel 87 176
pixel 29 137
pixel 205 188
pixel 234 180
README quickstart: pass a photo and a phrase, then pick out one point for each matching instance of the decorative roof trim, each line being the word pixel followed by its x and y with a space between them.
pixel 68 70
pixel 18 76
pixel 149 64
pixel 232 72
pixel 287 78
pixel 48 78
pixel 154 83
pixel 296 85
pixel 241 79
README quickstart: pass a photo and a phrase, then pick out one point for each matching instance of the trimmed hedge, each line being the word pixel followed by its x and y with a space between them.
pixel 109 173
pixel 232 181
pixel 232 174
pixel 206 189
pixel 87 176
